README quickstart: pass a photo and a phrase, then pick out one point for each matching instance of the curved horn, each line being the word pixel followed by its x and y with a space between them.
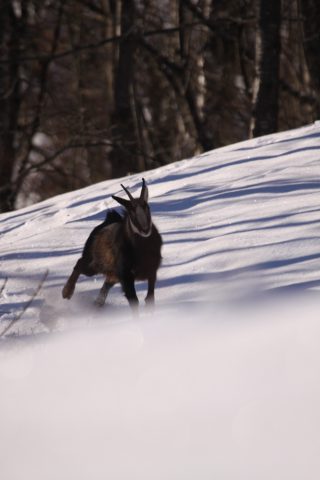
pixel 144 191
pixel 127 192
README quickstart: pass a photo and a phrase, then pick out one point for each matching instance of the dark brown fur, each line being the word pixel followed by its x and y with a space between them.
pixel 117 251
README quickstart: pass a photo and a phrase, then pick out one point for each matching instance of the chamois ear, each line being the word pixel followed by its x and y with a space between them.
pixel 122 201
pixel 144 195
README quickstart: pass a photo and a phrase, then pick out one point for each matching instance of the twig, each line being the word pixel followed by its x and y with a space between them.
pixel 27 305
pixel 3 286
pixel 117 38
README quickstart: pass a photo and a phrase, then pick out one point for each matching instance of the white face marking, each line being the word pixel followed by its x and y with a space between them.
pixel 138 232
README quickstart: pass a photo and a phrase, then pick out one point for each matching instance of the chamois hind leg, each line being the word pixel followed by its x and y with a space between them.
pixel 101 298
pixel 69 287
pixel 150 295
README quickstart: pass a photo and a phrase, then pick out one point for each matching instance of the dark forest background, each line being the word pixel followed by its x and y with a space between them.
pixel 96 89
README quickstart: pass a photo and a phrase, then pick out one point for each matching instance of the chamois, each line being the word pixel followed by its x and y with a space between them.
pixel 124 248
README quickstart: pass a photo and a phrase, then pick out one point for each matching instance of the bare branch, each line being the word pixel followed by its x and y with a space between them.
pixel 307 98
pixel 65 148
pixel 27 305
pixel 213 25
pixel 101 43
pixel 3 286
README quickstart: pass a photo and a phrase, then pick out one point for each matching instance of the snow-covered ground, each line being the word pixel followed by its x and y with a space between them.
pixel 222 381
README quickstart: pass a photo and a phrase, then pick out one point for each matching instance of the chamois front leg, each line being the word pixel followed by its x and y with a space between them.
pixel 69 287
pixel 101 298
pixel 127 283
pixel 150 295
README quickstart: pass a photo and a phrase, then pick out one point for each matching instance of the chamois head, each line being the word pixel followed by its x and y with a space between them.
pixel 138 211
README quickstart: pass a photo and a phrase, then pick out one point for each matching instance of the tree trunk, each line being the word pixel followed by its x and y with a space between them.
pixel 310 10
pixel 9 102
pixel 124 154
pixel 265 115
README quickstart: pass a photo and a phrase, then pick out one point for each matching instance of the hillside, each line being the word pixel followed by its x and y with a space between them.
pixel 223 380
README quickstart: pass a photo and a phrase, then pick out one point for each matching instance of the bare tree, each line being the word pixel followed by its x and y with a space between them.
pixel 266 99
pixel 11 29
pixel 228 70
pixel 310 10
pixel 125 150
pixel 94 89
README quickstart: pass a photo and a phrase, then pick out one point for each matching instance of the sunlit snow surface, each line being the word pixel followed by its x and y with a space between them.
pixel 222 381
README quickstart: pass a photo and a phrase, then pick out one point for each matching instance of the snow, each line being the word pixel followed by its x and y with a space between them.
pixel 222 381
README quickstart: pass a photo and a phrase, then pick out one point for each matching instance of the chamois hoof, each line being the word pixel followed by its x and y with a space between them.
pixel 149 301
pixel 135 313
pixel 134 307
pixel 99 302
pixel 67 292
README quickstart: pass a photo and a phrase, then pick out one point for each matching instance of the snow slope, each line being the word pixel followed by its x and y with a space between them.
pixel 223 380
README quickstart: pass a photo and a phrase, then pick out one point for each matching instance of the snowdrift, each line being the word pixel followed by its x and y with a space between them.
pixel 222 381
